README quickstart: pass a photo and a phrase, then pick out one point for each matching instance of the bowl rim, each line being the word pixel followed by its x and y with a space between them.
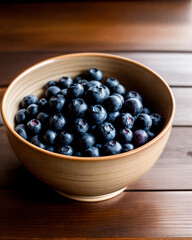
pixel 101 158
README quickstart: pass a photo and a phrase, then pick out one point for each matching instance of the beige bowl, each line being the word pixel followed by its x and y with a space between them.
pixel 85 178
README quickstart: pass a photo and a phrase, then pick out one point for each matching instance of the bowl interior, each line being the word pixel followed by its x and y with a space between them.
pixel 132 75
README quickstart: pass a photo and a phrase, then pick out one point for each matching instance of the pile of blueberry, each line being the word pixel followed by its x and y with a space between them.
pixel 83 117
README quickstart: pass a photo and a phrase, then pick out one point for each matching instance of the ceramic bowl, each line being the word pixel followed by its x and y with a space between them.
pixel 89 178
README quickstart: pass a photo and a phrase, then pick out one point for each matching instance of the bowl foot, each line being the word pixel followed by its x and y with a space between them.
pixel 92 198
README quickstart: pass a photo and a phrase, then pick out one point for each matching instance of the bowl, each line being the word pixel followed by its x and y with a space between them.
pixel 89 179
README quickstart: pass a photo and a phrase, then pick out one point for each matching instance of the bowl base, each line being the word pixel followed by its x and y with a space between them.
pixel 92 198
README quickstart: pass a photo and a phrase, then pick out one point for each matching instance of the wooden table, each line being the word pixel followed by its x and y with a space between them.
pixel 155 33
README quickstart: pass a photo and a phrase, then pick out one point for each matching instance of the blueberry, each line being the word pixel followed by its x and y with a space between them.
pixel 21 130
pixel 52 91
pixel 107 91
pixel 50 148
pixel 63 92
pixel 83 82
pixel 87 140
pixel 57 121
pixel 80 77
pixel 32 110
pixel 57 103
pixel 157 122
pixel 92 83
pixel 111 147
pixel 77 154
pixel 36 140
pixel 66 150
pixel 97 114
pixel 98 145
pixel 29 99
pixel 75 91
pixel 80 126
pixel 51 84
pixel 50 136
pixel 120 96
pixel 143 121
pixel 34 126
pixel 127 147
pixel 92 128
pixel 133 94
pixel 113 103
pixel 151 135
pixel 65 82
pixel 124 120
pixel 95 74
pixel 105 132
pixel 77 107
pixel 133 106
pixel 111 82
pixel 43 117
pixel 66 138
pixel 120 89
pixel 125 135
pixel 21 116
pixel 43 105
pixel 146 110
pixel 92 152
pixel 95 95
pixel 140 137
pixel 112 116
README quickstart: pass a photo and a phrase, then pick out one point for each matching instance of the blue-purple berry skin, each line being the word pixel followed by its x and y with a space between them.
pixel 57 121
pixel 77 107
pixel 43 117
pixel 111 116
pixel 97 114
pixel 21 116
pixel 65 82
pixel 113 103
pixel 133 94
pixel 157 122
pixel 50 136
pixel 27 100
pixel 36 140
pixel 34 126
pixel 146 110
pixel 111 147
pixel 143 121
pixel 92 152
pixel 125 136
pixel 95 74
pixel 140 137
pixel 50 84
pixel 22 131
pixel 111 82
pixel 65 150
pixel 66 138
pixel 80 126
pixel 127 147
pixel 57 103
pixel 32 110
pixel 105 132
pixel 43 105
pixel 96 95
pixel 120 89
pixel 133 106
pixel 75 91
pixel 52 91
pixel 50 148
pixel 124 120
pixel 87 140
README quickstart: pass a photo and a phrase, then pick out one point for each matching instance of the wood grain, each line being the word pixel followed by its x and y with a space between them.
pixel 175 68
pixel 45 214
pixel 96 25
pixel 171 172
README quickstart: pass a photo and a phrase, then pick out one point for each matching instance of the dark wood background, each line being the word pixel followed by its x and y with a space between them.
pixel 155 33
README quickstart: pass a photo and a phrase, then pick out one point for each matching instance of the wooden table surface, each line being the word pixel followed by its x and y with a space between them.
pixel 155 33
